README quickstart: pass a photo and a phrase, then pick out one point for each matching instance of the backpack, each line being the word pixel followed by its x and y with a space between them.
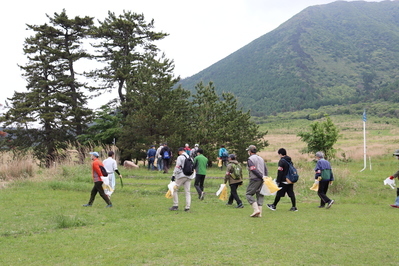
pixel 188 167
pixel 236 174
pixel 103 171
pixel 225 153
pixel 292 174
pixel 166 155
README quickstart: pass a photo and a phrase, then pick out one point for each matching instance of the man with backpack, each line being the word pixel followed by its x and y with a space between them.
pixel 181 179
pixel 234 177
pixel 166 154
pixel 97 180
pixel 282 181
pixel 257 170
pixel 200 164
pixel 223 156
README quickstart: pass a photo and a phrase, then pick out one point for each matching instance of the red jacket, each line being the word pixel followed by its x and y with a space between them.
pixel 96 171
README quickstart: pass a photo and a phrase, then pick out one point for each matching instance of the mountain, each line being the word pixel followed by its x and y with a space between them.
pixel 334 54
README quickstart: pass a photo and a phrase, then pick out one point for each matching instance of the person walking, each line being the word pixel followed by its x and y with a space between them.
pixel 98 183
pixel 187 149
pixel 159 158
pixel 166 154
pixel 181 180
pixel 200 164
pixel 283 182
pixel 396 175
pixel 325 177
pixel 234 178
pixel 193 151
pixel 151 157
pixel 257 170
pixel 111 166
pixel 223 156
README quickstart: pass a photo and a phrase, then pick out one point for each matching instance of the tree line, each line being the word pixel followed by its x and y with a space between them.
pixel 53 113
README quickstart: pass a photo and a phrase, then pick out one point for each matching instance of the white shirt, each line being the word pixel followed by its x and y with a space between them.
pixel 110 165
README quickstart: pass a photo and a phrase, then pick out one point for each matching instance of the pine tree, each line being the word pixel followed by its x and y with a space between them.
pixel 54 101
pixel 156 111
pixel 217 120
pixel 123 42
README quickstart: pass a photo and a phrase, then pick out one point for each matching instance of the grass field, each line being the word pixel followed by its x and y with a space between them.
pixel 43 221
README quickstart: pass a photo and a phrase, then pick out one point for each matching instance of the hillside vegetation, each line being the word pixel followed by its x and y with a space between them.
pixel 336 54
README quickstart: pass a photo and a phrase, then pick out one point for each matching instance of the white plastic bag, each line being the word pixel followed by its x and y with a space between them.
pixel 106 186
pixel 172 186
pixel 390 182
pixel 220 189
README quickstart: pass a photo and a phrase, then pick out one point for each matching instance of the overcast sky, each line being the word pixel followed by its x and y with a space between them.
pixel 200 32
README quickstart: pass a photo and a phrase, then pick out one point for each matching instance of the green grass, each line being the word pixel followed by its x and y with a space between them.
pixel 43 223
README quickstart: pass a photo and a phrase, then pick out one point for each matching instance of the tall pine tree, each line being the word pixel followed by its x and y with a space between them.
pixel 123 42
pixel 52 111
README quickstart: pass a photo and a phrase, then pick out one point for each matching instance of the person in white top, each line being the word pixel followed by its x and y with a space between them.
pixel 112 168
pixel 158 156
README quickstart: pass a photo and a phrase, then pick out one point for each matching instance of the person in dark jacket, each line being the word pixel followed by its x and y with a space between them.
pixel 151 157
pixel 283 182
pixel 166 154
pixel 323 175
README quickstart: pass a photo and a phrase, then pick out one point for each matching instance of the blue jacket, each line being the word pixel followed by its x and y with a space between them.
pixel 151 153
pixel 321 166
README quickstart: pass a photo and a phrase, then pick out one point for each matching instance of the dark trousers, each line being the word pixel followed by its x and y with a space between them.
pixel 234 194
pixel 199 183
pixel 225 161
pixel 323 188
pixel 151 163
pixel 165 165
pixel 285 188
pixel 98 187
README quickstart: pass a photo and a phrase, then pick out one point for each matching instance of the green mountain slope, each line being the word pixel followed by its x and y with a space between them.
pixel 339 53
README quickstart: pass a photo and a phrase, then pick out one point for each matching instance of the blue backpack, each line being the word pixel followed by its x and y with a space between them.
pixel 166 155
pixel 225 153
pixel 292 174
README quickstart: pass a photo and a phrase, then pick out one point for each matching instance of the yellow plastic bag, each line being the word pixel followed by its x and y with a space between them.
pixel 223 194
pixel 168 194
pixel 220 163
pixel 315 186
pixel 271 185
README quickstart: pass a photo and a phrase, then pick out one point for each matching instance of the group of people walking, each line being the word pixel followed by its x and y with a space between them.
pixel 256 166
pixel 257 170
pixel 162 156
